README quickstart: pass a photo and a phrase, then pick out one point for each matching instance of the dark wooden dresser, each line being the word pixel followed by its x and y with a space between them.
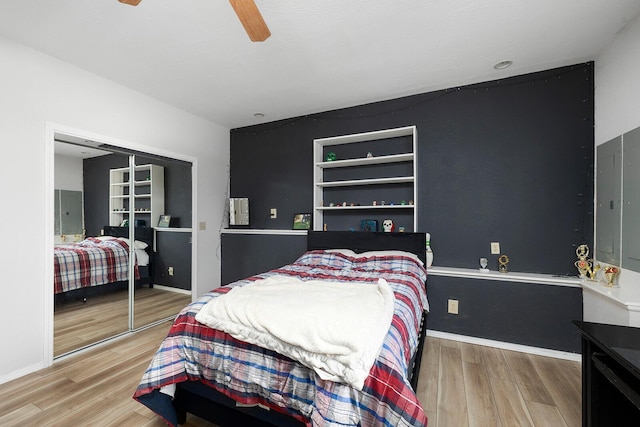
pixel 610 374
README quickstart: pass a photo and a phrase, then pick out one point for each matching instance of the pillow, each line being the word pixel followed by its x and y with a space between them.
pixel 324 258
pixel 394 261
pixel 345 252
pixel 138 244
pixel 390 253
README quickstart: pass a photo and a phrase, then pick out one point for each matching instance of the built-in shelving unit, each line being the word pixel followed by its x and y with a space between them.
pixel 147 198
pixel 374 176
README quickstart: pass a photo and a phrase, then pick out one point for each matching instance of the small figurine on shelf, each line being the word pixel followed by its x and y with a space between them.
pixel 428 251
pixel 369 155
pixel 387 226
pixel 610 274
pixel 503 261
pixel 331 157
pixel 585 266
pixel 483 265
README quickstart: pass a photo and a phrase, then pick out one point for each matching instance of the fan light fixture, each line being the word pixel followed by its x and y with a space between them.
pixel 248 14
pixel 502 65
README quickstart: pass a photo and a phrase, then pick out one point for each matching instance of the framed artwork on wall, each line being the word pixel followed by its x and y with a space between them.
pixel 302 221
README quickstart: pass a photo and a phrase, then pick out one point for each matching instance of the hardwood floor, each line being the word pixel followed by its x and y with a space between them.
pixel 460 385
pixel 470 385
pixel 78 324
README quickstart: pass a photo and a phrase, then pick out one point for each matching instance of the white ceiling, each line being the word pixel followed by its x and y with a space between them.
pixel 322 55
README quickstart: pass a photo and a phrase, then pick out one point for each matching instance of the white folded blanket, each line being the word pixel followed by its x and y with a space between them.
pixel 335 328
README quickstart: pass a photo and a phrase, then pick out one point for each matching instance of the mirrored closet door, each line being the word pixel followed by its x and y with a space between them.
pixel 112 271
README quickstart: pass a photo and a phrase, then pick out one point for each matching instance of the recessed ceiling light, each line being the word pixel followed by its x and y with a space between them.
pixel 258 115
pixel 502 65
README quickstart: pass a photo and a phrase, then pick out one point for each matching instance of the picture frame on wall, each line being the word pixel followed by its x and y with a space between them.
pixel 302 221
pixel 164 221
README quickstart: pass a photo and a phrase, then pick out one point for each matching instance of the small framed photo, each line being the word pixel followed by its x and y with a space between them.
pixel 302 221
pixel 368 225
pixel 164 221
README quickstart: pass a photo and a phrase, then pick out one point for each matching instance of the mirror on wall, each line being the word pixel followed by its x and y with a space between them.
pixel 618 201
pixel 99 193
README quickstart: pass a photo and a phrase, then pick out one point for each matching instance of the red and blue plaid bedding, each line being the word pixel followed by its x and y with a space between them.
pixel 252 375
pixel 91 262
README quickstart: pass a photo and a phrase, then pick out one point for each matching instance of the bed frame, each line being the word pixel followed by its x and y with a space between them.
pixel 198 399
pixel 144 234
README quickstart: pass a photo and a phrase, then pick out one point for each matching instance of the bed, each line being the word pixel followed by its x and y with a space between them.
pixel 212 374
pixel 101 264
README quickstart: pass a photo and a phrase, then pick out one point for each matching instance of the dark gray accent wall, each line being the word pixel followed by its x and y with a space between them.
pixel 177 189
pixel 247 255
pixel 172 248
pixel 529 314
pixel 507 161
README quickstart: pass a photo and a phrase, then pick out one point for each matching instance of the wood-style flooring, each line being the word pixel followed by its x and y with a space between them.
pixel 78 324
pixel 460 385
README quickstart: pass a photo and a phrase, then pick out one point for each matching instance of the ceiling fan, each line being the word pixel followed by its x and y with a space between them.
pixel 248 14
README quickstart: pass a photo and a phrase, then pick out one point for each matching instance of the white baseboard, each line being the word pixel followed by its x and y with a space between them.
pixel 170 289
pixel 576 357
pixel 22 372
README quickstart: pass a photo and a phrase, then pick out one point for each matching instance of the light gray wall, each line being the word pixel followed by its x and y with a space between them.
pixel 39 93
pixel 617 100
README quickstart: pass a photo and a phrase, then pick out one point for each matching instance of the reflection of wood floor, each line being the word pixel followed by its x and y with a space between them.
pixel 78 324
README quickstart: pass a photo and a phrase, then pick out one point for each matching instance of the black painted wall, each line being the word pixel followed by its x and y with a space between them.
pixel 530 314
pixel 507 161
pixel 173 249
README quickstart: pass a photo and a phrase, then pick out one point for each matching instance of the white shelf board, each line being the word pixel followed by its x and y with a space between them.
pixel 362 161
pixel 512 276
pixel 366 136
pixel 344 208
pixel 263 231
pixel 368 181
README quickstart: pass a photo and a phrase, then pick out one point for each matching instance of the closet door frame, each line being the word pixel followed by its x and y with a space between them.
pixel 49 167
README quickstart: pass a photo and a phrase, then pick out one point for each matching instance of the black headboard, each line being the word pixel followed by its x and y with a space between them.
pixel 362 241
pixel 144 234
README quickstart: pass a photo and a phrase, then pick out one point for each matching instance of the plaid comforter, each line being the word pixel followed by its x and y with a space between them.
pixel 91 262
pixel 253 375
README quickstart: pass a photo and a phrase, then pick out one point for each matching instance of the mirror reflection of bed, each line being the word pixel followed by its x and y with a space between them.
pixel 92 307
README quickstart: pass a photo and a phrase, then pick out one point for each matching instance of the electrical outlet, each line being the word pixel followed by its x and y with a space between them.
pixel 274 213
pixel 495 248
pixel 453 306
pixel 203 226
pixel 170 269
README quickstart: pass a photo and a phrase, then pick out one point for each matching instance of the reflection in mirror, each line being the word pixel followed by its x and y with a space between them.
pixel 89 305
pixel 618 201
pixel 110 194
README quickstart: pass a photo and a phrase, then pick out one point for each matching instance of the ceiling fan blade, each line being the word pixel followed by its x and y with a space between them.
pixel 131 2
pixel 251 19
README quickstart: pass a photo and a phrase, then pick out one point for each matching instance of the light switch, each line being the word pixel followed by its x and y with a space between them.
pixel 495 248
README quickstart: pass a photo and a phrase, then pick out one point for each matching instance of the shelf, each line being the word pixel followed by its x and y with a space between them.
pixel 135 212
pixel 263 231
pixel 370 181
pixel 394 158
pixel 345 208
pixel 403 181
pixel 512 276
pixel 366 136
pixel 137 196
pixel 146 191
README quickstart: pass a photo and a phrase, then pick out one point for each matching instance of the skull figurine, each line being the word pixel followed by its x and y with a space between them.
pixel 387 226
